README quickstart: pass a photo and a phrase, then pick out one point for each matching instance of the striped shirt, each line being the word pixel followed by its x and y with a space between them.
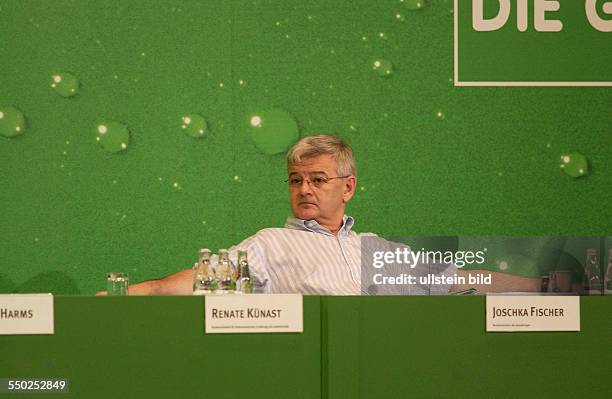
pixel 305 257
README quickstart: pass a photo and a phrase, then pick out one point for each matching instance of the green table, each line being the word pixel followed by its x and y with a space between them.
pixel 351 347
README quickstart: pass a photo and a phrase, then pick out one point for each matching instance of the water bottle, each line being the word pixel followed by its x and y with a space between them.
pixel 244 281
pixel 608 276
pixel 225 277
pixel 204 281
pixel 592 273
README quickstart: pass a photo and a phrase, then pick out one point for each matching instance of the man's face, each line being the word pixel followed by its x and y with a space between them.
pixel 315 199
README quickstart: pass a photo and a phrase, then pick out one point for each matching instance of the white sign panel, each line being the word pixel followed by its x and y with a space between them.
pixel 533 313
pixel 253 313
pixel 22 314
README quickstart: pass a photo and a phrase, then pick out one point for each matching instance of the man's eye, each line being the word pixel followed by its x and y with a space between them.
pixel 318 180
pixel 295 181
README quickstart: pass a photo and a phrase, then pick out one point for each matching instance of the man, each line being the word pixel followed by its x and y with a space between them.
pixel 317 252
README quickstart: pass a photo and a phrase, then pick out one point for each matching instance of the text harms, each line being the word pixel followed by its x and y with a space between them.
pixel 16 313
pixel 540 22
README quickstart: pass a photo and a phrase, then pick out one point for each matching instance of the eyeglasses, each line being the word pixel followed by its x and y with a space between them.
pixel 315 181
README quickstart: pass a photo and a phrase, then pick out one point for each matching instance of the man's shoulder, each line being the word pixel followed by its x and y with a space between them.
pixel 360 236
pixel 366 234
pixel 263 237
pixel 278 231
pixel 287 232
pixel 277 237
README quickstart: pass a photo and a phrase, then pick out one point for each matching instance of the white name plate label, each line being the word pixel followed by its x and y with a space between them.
pixel 533 313
pixel 22 314
pixel 253 313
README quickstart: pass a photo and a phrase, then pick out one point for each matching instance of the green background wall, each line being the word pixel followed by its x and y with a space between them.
pixel 433 159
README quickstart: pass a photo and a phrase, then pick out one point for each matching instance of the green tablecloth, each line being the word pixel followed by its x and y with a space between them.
pixel 351 347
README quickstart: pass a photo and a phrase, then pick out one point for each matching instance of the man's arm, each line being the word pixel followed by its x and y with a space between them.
pixel 180 283
pixel 500 282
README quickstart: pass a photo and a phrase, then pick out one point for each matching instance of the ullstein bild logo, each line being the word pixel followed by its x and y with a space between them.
pixel 533 42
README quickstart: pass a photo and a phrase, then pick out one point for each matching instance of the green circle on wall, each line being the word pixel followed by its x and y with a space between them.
pixel 65 84
pixel 194 125
pixel 113 136
pixel 382 67
pixel 574 164
pixel 273 131
pixel 515 264
pixel 12 122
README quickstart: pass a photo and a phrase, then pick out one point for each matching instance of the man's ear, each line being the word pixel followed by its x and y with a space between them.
pixel 349 189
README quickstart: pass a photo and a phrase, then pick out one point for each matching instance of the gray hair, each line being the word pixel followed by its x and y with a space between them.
pixel 321 144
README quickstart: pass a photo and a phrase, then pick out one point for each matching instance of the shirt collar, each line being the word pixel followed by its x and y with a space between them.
pixel 315 227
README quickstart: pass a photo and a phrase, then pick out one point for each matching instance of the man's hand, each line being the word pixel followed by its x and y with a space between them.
pixel 180 283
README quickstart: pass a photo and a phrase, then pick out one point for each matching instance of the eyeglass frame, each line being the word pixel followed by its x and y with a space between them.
pixel 312 184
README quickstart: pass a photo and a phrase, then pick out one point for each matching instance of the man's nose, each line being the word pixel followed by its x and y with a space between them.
pixel 306 187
